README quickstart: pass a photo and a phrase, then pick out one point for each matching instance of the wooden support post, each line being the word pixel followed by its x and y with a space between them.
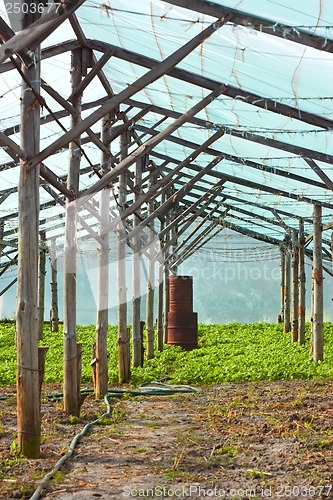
pixel 2 230
pixel 102 321
pixel 41 290
pixel 166 303
pixel 28 395
pixel 282 282
pixel 302 279
pixel 160 308
pixel 54 313
pixel 174 239
pixel 312 314
pixel 287 324
pixel 318 332
pixel 70 386
pixel 79 372
pixel 165 253
pixel 295 294
pixel 137 345
pixel 150 282
pixel 160 291
pixel 123 334
pixel 42 351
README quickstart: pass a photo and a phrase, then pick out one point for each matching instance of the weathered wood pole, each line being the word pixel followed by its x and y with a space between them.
pixel 318 313
pixel 166 272
pixel 41 288
pixel 287 324
pixel 282 282
pixel 2 231
pixel 302 279
pixel 123 333
pixel 160 308
pixel 166 302
pixel 160 290
pixel 312 314
pixel 54 313
pixel 150 282
pixel 137 346
pixel 295 293
pixel 102 320
pixel 28 394
pixel 174 239
pixel 70 385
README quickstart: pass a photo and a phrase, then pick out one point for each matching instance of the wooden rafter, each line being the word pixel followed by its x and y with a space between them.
pixel 258 23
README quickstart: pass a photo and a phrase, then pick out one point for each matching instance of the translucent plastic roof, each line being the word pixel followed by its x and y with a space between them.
pixel 271 60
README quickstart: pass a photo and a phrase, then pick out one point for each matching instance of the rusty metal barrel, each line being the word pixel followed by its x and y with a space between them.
pixel 181 293
pixel 182 321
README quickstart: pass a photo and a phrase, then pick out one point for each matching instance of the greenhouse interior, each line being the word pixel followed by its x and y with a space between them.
pixel 165 166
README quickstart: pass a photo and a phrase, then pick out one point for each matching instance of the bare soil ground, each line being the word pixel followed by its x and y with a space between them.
pixel 241 441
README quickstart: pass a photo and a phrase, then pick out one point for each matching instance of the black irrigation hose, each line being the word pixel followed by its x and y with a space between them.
pixel 149 389
pixel 70 451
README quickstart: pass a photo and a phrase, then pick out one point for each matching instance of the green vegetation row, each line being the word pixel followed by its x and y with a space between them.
pixel 227 353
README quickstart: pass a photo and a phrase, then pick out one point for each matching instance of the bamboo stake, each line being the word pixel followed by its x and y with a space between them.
pixel 136 279
pixel 54 314
pixel 282 282
pixel 287 324
pixel 102 321
pixel 70 386
pixel 28 395
pixel 302 279
pixel 123 333
pixel 295 294
pixel 41 290
pixel 318 335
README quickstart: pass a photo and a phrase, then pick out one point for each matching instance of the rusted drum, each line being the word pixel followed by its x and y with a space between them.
pixel 183 329
pixel 181 293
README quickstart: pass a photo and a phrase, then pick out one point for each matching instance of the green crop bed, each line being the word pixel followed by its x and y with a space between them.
pixel 226 353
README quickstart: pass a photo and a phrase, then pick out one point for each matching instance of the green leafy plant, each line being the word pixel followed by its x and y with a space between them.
pixel 226 353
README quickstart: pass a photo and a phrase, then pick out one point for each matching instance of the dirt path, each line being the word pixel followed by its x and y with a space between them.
pixel 240 441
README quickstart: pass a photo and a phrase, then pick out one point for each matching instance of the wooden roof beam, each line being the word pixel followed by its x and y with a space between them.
pixel 154 74
pixel 6 33
pixel 201 241
pixel 164 207
pixel 91 75
pixel 328 182
pixel 257 100
pixel 165 180
pixel 257 22
pixel 296 150
pixel 261 187
pixel 207 198
pixel 230 207
pixel 38 31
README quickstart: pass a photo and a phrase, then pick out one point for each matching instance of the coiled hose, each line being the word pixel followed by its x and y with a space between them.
pixel 149 389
